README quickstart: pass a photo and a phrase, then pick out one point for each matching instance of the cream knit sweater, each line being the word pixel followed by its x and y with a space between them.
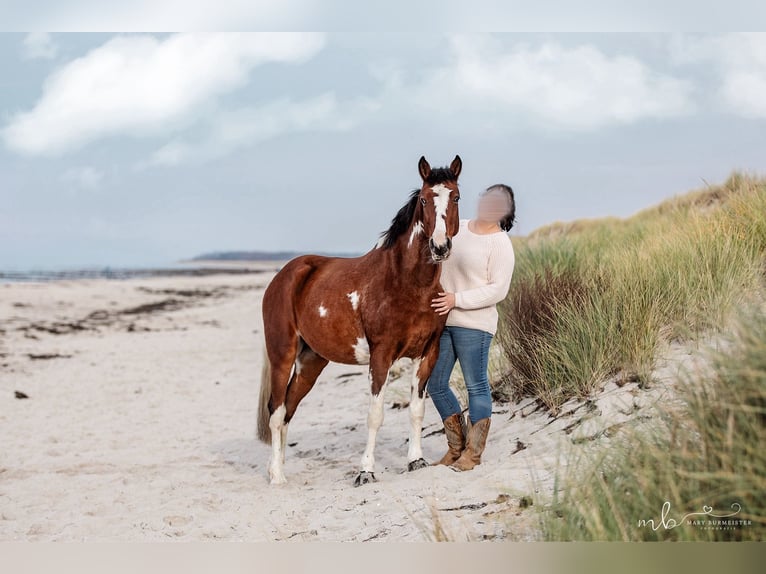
pixel 478 271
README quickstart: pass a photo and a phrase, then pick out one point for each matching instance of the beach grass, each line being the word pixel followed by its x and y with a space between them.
pixel 696 473
pixel 596 299
pixel 599 300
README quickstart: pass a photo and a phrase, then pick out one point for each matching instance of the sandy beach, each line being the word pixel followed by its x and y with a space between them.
pixel 127 413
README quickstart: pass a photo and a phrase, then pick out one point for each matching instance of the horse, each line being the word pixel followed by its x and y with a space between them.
pixel 374 309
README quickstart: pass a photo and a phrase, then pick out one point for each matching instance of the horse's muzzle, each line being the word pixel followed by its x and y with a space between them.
pixel 440 252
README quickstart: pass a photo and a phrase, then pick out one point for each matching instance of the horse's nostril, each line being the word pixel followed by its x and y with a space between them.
pixel 440 250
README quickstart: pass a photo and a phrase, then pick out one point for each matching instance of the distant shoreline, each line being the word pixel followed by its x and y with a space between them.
pixel 225 262
pixel 185 269
pixel 261 256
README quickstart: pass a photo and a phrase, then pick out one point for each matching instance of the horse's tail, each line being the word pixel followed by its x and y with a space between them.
pixel 264 431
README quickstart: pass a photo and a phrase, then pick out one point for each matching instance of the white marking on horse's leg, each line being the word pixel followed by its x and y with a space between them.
pixel 374 421
pixel 283 441
pixel 276 466
pixel 322 311
pixel 417 229
pixel 362 351
pixel 441 200
pixel 417 412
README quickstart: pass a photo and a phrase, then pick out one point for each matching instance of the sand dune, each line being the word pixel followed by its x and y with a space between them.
pixel 139 424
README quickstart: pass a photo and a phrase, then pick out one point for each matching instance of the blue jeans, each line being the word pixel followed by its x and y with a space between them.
pixel 471 348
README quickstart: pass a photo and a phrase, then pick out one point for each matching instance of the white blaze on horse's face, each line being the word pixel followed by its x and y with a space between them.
pixel 440 243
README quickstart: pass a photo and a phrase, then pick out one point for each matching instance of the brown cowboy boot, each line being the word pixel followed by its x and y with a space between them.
pixel 475 441
pixel 455 431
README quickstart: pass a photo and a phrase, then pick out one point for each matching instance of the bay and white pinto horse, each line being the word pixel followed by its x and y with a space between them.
pixel 373 309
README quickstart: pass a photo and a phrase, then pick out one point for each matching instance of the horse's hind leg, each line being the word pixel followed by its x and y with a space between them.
pixel 308 366
pixel 280 375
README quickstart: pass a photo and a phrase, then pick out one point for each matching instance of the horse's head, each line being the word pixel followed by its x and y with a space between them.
pixel 437 206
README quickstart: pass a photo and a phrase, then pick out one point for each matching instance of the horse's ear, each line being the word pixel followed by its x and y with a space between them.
pixel 456 166
pixel 424 168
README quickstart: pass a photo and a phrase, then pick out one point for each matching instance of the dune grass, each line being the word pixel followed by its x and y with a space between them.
pixel 601 299
pixel 596 299
pixel 698 463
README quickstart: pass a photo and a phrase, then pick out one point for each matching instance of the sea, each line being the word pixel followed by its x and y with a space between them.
pixel 122 273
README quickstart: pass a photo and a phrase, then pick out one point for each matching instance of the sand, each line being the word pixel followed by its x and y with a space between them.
pixel 139 425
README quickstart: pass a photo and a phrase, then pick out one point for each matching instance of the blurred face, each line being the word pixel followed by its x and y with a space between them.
pixel 494 206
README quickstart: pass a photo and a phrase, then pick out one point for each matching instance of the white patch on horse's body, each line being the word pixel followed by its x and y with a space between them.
pixel 374 422
pixel 380 242
pixel 417 229
pixel 354 298
pixel 417 412
pixel 362 351
pixel 278 437
pixel 441 201
pixel 322 311
pixel 298 365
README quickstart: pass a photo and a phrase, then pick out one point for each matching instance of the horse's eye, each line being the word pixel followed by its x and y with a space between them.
pixel 423 200
pixel 457 198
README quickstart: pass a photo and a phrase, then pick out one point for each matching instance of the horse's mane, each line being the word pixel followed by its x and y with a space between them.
pixel 403 218
pixel 401 221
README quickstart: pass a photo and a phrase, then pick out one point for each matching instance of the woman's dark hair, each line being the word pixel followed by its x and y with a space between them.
pixel 507 222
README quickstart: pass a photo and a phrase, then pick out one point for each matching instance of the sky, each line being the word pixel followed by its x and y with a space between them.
pixel 145 149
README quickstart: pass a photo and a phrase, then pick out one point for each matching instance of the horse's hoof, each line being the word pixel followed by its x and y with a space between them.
pixel 416 464
pixel 276 478
pixel 364 477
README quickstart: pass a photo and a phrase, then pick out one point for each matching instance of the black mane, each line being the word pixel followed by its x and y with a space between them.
pixel 402 220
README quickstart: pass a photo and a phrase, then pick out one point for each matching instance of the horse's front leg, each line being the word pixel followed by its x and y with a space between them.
pixel 378 380
pixel 421 370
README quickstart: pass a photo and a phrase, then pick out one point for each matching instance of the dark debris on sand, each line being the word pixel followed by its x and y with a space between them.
pixel 175 299
pixel 47 356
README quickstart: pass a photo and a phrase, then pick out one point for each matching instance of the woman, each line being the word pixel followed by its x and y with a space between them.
pixel 475 277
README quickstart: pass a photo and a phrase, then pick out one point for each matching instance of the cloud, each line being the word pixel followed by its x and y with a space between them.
pixel 143 86
pixel 577 88
pixel 84 177
pixel 39 46
pixel 739 62
pixel 229 130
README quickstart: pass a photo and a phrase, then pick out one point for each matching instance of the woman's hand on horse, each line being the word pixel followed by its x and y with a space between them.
pixel 444 303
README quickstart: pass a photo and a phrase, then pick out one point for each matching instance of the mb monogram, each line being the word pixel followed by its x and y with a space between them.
pixel 710 520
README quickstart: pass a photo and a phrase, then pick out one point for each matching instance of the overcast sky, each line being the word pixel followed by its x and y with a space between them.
pixel 144 149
